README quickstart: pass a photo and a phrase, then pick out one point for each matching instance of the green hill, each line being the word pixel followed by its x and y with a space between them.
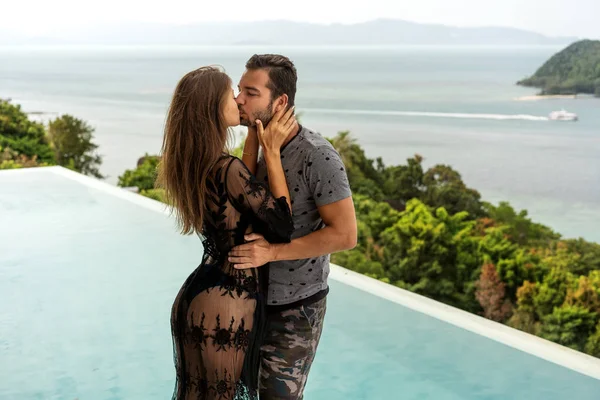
pixel 574 70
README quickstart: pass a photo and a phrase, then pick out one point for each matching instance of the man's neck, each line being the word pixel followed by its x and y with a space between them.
pixel 291 136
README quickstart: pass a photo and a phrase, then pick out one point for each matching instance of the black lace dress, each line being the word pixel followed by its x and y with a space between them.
pixel 218 315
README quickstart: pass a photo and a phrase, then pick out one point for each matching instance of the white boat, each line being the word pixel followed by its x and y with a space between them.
pixel 563 115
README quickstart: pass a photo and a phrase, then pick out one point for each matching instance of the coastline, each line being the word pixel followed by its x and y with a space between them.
pixel 538 97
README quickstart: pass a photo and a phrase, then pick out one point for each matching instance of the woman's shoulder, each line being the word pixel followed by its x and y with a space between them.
pixel 225 161
pixel 233 163
pixel 231 167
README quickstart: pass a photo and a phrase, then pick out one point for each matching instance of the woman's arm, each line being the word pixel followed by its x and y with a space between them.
pixel 269 215
pixel 250 152
pixel 278 130
pixel 277 181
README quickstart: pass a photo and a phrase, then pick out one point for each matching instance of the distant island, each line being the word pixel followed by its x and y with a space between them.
pixel 380 32
pixel 574 70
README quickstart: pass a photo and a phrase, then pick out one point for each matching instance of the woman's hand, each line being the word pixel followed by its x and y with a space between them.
pixel 277 131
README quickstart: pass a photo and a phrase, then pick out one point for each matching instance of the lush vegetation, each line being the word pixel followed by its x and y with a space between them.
pixel 66 141
pixel 426 231
pixel 574 70
pixel 421 229
pixel 143 177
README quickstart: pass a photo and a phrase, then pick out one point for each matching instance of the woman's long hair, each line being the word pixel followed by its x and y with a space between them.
pixel 195 138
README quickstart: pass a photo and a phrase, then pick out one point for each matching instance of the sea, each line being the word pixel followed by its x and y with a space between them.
pixel 458 106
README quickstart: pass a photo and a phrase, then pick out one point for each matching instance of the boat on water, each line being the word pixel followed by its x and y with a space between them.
pixel 563 115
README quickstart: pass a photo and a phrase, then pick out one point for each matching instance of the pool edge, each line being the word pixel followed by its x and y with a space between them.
pixel 136 198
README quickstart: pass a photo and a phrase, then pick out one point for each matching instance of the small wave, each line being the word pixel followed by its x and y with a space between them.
pixel 500 117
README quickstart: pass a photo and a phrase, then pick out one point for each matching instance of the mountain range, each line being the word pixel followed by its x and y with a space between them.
pixel 372 33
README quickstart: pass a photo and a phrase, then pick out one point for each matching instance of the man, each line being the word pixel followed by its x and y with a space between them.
pixel 324 223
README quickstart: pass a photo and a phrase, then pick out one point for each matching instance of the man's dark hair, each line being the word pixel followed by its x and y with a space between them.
pixel 282 74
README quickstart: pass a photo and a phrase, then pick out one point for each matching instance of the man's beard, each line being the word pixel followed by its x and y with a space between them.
pixel 264 115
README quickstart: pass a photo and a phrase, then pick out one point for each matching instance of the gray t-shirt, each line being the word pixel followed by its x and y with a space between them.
pixel 316 176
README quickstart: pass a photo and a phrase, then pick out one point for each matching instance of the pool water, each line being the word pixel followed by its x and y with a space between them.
pixel 88 273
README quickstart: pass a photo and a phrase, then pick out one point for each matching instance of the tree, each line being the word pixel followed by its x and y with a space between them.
pixel 490 294
pixel 551 293
pixel 363 177
pixel 372 219
pixel 587 256
pixel 569 326
pixel 378 216
pixel 516 269
pixel 432 253
pixel 403 182
pixel 521 229
pixel 439 186
pixel 592 346
pixel 10 159
pixel 143 176
pixel 71 139
pixel 21 136
pixel 585 292
pixel 524 317
pixel 444 187
pixel 495 246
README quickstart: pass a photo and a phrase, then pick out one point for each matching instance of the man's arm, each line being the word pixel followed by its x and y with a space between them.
pixel 338 234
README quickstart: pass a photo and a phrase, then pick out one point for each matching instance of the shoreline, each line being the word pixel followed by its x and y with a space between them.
pixel 538 97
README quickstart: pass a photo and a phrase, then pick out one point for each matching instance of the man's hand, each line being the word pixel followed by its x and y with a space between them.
pixel 254 254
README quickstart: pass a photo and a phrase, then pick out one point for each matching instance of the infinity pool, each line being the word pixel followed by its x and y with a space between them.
pixel 88 273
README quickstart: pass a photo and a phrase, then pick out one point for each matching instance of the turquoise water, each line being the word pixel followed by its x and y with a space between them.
pixel 550 168
pixel 87 281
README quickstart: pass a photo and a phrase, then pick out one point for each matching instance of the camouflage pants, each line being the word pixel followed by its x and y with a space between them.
pixel 289 349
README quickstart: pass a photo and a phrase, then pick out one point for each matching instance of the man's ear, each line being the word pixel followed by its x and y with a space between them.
pixel 280 103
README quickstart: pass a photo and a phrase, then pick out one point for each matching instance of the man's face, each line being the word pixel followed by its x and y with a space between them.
pixel 254 100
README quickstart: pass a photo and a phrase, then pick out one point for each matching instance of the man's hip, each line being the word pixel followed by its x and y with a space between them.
pixel 288 350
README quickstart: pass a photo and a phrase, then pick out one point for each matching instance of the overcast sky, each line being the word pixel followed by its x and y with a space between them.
pixel 551 17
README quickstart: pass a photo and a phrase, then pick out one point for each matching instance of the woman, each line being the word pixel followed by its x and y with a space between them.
pixel 218 314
